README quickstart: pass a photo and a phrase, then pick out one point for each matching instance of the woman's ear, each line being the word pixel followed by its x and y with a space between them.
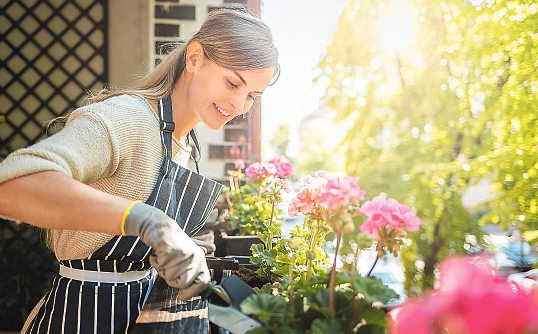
pixel 194 56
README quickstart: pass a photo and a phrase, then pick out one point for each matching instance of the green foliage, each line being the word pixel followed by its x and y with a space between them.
pixel 322 326
pixel 278 314
pixel 296 251
pixel 430 119
pixel 250 211
pixel 267 308
pixel 373 290
pixel 298 299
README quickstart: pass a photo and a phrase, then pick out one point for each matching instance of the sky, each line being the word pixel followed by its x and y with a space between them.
pixel 301 30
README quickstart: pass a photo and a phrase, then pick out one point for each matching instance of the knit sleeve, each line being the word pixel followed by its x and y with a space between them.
pixel 86 150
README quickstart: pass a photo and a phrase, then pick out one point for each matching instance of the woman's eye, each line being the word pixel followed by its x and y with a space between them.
pixel 231 84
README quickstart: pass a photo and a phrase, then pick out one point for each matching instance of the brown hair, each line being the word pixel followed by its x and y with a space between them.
pixel 232 38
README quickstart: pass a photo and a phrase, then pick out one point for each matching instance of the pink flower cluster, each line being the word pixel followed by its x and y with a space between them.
pixel 282 184
pixel 342 191
pixel 283 166
pixel 309 195
pixel 260 170
pixel 470 299
pixel 279 166
pixel 279 184
pixel 382 212
pixel 239 164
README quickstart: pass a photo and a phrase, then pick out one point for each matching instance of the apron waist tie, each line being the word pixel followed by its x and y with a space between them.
pixel 102 276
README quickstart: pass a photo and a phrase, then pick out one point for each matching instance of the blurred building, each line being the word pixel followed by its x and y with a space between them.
pixel 53 51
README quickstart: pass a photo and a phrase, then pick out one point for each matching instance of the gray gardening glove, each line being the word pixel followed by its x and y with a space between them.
pixel 207 246
pixel 178 260
pixel 205 241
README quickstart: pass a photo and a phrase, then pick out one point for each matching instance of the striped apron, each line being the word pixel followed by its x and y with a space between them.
pixel 105 292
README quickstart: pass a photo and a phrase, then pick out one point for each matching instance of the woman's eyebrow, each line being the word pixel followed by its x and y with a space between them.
pixel 244 82
pixel 240 77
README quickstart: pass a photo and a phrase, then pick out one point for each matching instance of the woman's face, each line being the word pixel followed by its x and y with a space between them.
pixel 217 94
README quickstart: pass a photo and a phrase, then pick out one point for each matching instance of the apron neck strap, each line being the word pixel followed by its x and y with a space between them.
pixel 168 127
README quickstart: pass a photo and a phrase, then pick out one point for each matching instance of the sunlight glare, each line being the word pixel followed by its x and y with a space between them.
pixel 398 28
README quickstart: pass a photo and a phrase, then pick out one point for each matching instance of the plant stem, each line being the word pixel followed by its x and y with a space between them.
pixel 314 234
pixel 292 299
pixel 232 182
pixel 238 185
pixel 230 204
pixel 373 265
pixel 332 284
pixel 355 261
pixel 270 241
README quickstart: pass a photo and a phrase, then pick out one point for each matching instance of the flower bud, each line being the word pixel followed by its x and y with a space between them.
pixel 349 227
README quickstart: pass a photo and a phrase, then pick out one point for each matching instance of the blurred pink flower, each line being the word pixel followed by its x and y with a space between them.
pixel 260 170
pixel 470 299
pixel 283 166
pixel 342 191
pixel 239 164
pixel 382 212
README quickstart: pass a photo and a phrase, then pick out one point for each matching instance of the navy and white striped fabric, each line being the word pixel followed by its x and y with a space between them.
pixel 73 306
pixel 184 195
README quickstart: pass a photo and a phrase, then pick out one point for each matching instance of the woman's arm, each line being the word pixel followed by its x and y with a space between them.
pixel 54 200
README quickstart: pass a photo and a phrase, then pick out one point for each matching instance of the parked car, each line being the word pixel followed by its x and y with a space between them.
pixel 525 281
pixel 521 253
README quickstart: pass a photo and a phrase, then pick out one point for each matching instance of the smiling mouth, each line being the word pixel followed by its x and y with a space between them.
pixel 221 111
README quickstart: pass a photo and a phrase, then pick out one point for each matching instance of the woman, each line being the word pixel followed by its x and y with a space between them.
pixel 86 184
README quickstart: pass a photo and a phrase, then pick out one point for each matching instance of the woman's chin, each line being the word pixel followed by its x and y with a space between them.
pixel 214 125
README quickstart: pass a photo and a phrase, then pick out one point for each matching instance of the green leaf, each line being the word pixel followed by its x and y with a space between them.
pixel 319 301
pixel 367 329
pixel 259 330
pixel 324 326
pixel 265 307
pixel 373 289
pixel 360 309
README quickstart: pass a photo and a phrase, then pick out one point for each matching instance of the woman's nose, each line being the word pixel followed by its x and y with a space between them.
pixel 249 101
pixel 242 103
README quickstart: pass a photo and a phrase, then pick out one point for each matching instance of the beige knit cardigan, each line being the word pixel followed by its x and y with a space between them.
pixel 113 146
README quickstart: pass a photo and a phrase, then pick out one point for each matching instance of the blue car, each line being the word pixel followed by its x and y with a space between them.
pixel 521 253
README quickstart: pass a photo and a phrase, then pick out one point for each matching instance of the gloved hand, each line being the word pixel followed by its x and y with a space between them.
pixel 207 246
pixel 178 260
pixel 205 241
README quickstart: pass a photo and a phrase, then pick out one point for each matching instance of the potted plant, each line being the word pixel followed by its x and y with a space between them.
pixel 252 210
pixel 309 294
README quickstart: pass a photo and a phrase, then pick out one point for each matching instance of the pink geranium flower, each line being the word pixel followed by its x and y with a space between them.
pixel 277 184
pixel 260 170
pixel 239 164
pixel 387 213
pixel 470 299
pixel 309 195
pixel 342 191
pixel 283 166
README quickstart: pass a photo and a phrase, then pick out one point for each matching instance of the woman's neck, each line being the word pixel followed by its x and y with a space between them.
pixel 185 118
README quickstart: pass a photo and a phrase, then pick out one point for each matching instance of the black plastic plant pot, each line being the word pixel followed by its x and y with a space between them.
pixel 238 245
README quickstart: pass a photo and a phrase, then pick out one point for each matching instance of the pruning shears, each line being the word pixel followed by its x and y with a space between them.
pixel 224 300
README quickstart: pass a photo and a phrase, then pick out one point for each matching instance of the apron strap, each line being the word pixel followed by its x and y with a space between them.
pixel 168 127
pixel 196 154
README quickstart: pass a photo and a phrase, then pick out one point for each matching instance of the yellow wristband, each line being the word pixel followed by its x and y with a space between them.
pixel 125 214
